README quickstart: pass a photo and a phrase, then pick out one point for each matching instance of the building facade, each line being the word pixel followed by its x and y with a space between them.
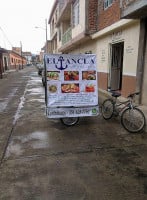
pixel 4 61
pixel 102 27
pixel 137 9
pixel 28 56
pixel 16 61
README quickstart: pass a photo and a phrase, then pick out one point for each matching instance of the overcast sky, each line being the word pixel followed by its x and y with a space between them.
pixel 18 19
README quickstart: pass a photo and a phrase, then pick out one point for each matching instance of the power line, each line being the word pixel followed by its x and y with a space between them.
pixel 6 36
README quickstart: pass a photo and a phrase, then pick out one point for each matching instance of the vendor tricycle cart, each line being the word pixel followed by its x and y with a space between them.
pixel 71 89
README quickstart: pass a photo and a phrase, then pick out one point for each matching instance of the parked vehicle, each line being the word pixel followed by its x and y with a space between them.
pixel 132 118
pixel 40 69
pixel 67 95
pixel 43 77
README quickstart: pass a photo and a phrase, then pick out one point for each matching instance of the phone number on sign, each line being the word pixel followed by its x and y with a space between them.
pixel 71 112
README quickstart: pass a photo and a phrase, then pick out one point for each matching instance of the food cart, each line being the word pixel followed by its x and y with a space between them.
pixel 71 89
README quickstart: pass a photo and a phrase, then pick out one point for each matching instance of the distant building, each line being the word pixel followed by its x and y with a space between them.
pixel 28 56
pixel 17 50
pixel 10 60
pixel 4 61
pixel 16 61
pixel 41 56
pixel 47 48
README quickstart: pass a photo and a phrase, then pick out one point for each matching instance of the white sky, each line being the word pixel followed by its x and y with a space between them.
pixel 18 19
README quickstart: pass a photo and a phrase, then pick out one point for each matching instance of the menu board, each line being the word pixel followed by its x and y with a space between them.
pixel 71 84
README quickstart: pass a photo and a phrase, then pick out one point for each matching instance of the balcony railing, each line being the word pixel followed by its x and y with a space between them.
pixel 66 36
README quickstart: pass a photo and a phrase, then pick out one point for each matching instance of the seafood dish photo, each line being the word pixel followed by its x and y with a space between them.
pixel 89 75
pixel 71 75
pixel 70 88
pixel 53 75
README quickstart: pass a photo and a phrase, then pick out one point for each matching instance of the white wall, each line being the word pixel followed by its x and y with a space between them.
pixel 81 27
pixel 101 47
pixel 130 36
pixel 144 89
pixel 131 42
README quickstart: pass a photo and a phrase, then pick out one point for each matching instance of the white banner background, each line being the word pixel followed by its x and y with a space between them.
pixel 71 82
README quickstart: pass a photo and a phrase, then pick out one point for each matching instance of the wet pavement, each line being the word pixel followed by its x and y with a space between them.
pixel 41 159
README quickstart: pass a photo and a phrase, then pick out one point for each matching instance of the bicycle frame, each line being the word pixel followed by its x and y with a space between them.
pixel 119 106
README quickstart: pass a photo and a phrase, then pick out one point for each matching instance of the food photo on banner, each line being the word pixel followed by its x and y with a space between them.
pixel 71 85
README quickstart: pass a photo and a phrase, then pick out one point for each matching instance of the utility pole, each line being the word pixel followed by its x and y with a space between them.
pixel 46 34
pixel 21 55
pixel 1 72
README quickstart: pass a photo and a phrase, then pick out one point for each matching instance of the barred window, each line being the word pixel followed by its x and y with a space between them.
pixel 107 3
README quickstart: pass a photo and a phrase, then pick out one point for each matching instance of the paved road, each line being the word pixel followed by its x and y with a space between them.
pixel 41 159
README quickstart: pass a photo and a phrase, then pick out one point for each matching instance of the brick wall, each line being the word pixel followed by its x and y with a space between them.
pixel 92 16
pixel 108 16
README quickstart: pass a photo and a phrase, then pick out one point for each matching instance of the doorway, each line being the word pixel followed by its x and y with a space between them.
pixel 5 63
pixel 116 67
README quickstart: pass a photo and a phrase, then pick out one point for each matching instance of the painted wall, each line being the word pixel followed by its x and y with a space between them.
pixel 16 61
pixel 131 39
pixel 81 26
pixel 85 47
pixel 100 46
pixel 144 88
pixel 130 36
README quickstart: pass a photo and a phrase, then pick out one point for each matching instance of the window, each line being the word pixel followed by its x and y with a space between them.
pixel 76 13
pixel 107 3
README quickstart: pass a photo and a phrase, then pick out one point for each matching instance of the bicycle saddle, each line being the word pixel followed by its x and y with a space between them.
pixel 116 94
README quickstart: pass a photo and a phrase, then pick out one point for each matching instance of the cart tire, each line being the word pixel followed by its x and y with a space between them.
pixel 69 121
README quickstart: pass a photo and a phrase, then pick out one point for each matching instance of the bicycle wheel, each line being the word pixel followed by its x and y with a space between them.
pixel 107 109
pixel 133 120
pixel 69 121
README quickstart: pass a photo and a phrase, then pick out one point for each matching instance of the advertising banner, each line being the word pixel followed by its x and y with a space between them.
pixel 71 85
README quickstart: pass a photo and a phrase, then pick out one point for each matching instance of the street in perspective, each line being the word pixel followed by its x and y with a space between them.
pixel 42 159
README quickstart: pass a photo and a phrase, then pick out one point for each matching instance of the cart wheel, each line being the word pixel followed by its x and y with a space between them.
pixel 69 121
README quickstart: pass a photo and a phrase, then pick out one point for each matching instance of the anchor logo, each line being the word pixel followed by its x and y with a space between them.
pixel 61 60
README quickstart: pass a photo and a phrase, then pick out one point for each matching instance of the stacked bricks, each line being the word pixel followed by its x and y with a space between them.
pixel 92 16
pixel 108 16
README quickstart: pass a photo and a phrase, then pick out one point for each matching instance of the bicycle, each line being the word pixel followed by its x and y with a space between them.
pixel 132 118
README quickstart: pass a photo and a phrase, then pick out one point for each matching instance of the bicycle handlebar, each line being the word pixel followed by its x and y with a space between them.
pixel 133 94
pixel 117 94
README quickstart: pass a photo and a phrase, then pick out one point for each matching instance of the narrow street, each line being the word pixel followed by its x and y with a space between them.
pixel 41 159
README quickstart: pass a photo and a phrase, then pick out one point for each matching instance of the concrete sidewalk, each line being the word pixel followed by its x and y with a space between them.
pixel 104 95
pixel 7 72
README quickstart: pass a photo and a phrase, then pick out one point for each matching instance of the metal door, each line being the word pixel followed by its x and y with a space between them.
pixel 116 66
